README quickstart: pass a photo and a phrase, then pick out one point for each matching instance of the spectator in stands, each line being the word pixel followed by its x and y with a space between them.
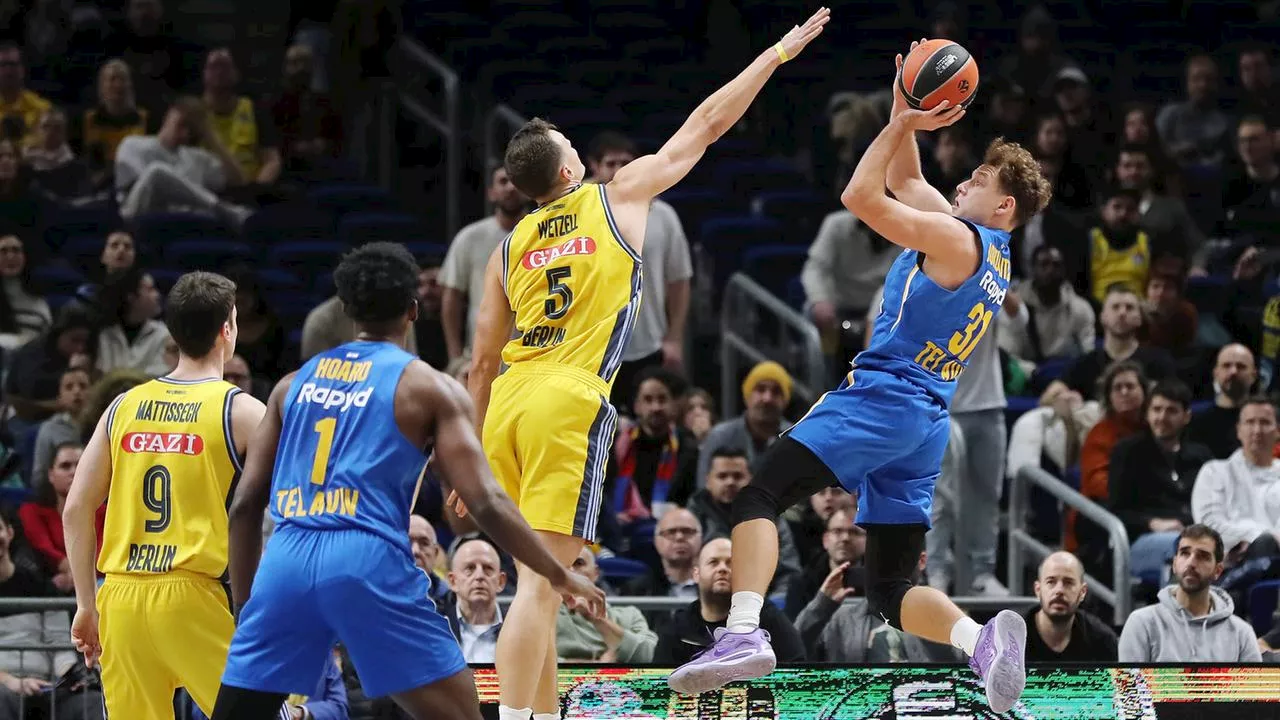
pixel 1240 497
pixel 1038 61
pixel 118 253
pixel 1194 621
pixel 55 169
pixel 27 678
pixel 1193 131
pixel 766 392
pixel 261 338
pixel 162 64
pixel 1074 99
pixel 1052 149
pixel 23 315
pixel 843 546
pixel 1151 477
pixel 476 576
pixel 73 389
pixel 20 108
pixel 692 629
pixel 236 372
pixel 35 370
pixel 657 459
pixel 309 128
pixel 1172 320
pixel 1165 218
pixel 243 127
pixel 846 266
pixel 677 538
pixel 1045 318
pixel 839 631
pixel 327 326
pixel 619 635
pixel 42 515
pixel 659 334
pixel 101 395
pixel 1254 183
pixel 131 336
pixel 426 554
pixel 1007 114
pixel 1123 390
pixel 699 413
pixel 808 520
pixel 953 160
pixel 115 117
pixel 1120 251
pixel 1050 436
pixel 1257 94
pixel 1059 631
pixel 21 206
pixel 462 275
pixel 171 170
pixel 728 474
pixel 429 328
pixel 1138 125
pixel 1234 375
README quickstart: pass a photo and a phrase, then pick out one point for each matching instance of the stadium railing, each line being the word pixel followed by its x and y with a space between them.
pixel 413 61
pixel 746 308
pixel 1026 550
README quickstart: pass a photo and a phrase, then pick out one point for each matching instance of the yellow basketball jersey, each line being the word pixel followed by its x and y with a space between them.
pixel 173 464
pixel 573 283
pixel 1109 266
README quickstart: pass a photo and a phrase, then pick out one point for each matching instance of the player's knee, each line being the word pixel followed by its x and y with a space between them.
pixel 884 598
pixel 754 503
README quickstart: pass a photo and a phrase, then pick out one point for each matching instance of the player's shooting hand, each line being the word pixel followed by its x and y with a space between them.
pixel 801 35
pixel 581 594
pixel 900 101
pixel 455 502
pixel 929 120
pixel 84 635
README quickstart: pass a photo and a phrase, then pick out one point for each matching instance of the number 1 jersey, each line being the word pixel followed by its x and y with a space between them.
pixel 173 466
pixel 342 462
pixel 925 333
pixel 574 285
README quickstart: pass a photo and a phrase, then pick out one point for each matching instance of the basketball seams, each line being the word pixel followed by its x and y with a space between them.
pixel 927 87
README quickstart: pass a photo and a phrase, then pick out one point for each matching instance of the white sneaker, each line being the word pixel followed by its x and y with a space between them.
pixel 987 584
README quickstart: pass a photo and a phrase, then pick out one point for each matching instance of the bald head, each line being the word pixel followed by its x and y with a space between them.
pixel 713 572
pixel 1060 587
pixel 475 573
pixel 1234 374
pixel 1062 562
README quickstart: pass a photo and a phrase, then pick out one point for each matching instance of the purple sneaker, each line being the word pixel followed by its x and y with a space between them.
pixel 998 659
pixel 733 656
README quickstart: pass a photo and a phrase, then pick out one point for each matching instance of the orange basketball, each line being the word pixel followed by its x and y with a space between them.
pixel 938 70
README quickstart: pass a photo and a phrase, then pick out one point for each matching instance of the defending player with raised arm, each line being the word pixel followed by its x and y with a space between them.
pixel 167 452
pixel 883 432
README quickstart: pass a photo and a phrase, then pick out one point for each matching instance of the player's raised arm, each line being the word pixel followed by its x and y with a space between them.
pixel 904 177
pixel 493 328
pixel 651 175
pixel 244 521
pixel 937 234
pixel 88 491
pixel 465 470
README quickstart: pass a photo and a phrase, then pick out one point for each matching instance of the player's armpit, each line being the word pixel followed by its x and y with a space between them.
pixel 494 322
pixel 244 524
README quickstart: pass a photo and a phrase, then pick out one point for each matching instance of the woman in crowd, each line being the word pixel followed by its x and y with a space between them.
pixel 35 370
pixel 114 118
pixel 131 336
pixel 42 515
pixel 23 316
pixel 261 337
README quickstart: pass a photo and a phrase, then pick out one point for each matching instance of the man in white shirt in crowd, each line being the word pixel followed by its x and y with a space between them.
pixel 659 333
pixel 1044 317
pixel 169 170
pixel 462 275
pixel 476 576
pixel 1240 497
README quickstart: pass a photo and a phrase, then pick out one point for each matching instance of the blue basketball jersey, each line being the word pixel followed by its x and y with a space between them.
pixel 342 461
pixel 925 333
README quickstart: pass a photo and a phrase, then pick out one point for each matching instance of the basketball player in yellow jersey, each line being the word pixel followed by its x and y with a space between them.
pixel 168 453
pixel 567 280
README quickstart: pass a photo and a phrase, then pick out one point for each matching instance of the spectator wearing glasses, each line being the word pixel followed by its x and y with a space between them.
pixel 836 572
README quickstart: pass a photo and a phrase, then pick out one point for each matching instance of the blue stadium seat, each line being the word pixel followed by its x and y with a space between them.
pixel 724 239
pixel 323 287
pixel 695 206
pixel 1263 599
pixel 774 266
pixel 800 211
pixel 156 230
pixel 360 228
pixel 1200 406
pixel 286 222
pixel 71 222
pixel 796 296
pixel 423 250
pixel 83 251
pixel 748 178
pixel 211 255
pixel 1049 370
pixel 619 569
pixel 165 278
pixel 342 198
pixel 276 281
pixel 55 279
pixel 1016 406
pixel 305 257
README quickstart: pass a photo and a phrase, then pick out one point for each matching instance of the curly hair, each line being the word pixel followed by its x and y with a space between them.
pixel 533 158
pixel 377 283
pixel 1020 176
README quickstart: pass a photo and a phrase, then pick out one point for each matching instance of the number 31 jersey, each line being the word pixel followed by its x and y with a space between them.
pixel 173 466
pixel 925 333
pixel 574 285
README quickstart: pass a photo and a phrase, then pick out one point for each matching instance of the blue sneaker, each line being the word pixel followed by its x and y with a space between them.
pixel 999 659
pixel 733 656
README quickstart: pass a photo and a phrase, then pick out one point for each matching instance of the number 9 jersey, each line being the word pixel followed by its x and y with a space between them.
pixel 173 465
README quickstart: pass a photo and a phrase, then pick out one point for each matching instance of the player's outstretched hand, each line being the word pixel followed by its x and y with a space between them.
pixel 928 120
pixel 801 35
pixel 84 635
pixel 899 100
pixel 582 595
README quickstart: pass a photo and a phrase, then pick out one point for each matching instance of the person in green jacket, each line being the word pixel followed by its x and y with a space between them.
pixel 620 635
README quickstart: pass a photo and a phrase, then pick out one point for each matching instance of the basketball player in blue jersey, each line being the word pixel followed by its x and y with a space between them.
pixel 883 432
pixel 339 458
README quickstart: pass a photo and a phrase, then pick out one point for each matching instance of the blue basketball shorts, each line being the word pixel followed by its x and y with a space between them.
pixel 883 438
pixel 315 589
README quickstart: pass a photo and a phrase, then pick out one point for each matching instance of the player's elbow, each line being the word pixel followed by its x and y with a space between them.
pixel 857 201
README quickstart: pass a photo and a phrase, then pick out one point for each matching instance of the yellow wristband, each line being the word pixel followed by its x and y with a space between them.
pixel 782 52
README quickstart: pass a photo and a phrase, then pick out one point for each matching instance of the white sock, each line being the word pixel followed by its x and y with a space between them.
pixel 964 634
pixel 506 713
pixel 744 612
pixel 546 716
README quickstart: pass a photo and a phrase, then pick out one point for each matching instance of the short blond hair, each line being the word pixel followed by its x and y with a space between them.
pixel 117 65
pixel 1020 176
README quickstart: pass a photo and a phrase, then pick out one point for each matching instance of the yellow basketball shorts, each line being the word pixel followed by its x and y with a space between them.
pixel 548 433
pixel 159 634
